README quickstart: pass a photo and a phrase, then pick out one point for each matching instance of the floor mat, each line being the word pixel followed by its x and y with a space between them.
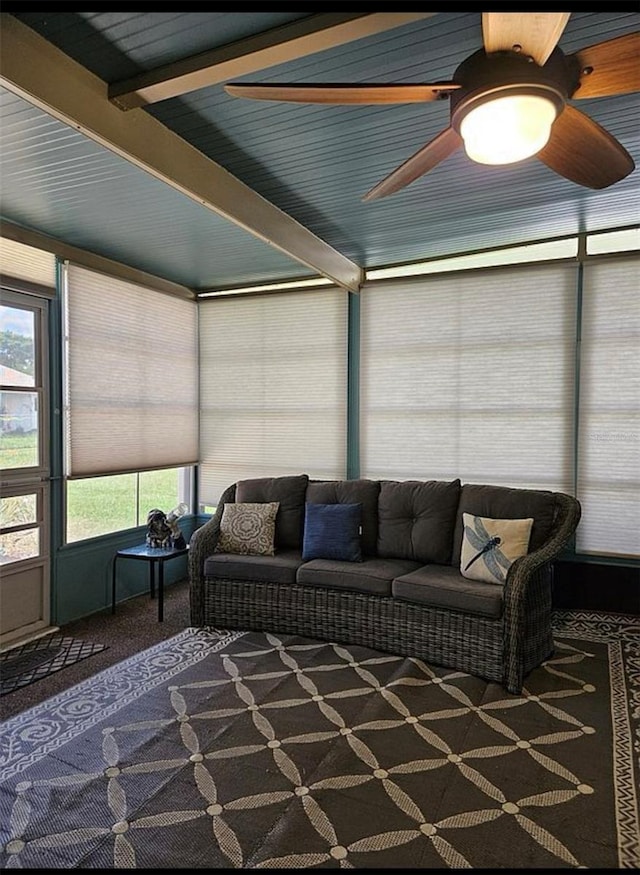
pixel 220 749
pixel 37 659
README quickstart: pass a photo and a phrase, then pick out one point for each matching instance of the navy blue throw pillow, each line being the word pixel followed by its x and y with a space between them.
pixel 332 531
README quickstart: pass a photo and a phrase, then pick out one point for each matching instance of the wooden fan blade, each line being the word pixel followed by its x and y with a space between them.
pixel 531 33
pixel 338 93
pixel 611 67
pixel 424 160
pixel 582 151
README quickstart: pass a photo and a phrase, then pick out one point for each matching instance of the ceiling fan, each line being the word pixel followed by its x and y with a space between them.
pixel 508 101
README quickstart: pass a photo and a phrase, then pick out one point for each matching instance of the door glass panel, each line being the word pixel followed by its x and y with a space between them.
pixel 17 346
pixel 18 429
pixel 18 510
pixel 15 546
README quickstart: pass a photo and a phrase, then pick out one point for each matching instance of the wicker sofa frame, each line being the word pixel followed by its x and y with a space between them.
pixel 504 649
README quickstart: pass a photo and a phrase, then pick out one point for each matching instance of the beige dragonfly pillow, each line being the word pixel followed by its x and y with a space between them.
pixel 490 547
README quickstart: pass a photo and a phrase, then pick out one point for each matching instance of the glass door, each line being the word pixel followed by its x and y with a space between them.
pixel 24 468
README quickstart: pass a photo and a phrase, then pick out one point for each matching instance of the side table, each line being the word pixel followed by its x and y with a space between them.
pixel 152 555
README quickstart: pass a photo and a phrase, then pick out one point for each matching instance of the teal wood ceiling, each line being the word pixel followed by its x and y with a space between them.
pixel 313 162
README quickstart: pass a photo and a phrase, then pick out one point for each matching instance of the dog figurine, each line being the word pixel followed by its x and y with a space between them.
pixel 158 530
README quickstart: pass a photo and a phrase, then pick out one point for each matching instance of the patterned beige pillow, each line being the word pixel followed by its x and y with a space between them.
pixel 248 528
pixel 490 547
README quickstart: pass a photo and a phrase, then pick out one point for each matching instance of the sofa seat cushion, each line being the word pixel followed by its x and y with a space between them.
pixel 364 492
pixel 280 568
pixel 506 503
pixel 289 491
pixel 417 519
pixel 441 586
pixel 371 576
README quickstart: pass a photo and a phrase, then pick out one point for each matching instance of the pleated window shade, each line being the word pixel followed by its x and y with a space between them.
pixel 27 263
pixel 273 388
pixel 131 377
pixel 609 426
pixel 472 376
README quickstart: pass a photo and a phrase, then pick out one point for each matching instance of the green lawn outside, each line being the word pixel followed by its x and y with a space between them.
pixel 18 450
pixel 108 504
pixel 98 505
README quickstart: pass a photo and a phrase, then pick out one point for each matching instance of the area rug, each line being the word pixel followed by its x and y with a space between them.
pixel 34 660
pixel 221 749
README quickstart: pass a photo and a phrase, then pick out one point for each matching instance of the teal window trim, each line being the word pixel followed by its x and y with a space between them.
pixel 353 388
pixel 582 244
pixel 57 497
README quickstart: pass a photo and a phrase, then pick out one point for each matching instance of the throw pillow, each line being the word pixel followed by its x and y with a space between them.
pixel 490 547
pixel 248 528
pixel 332 531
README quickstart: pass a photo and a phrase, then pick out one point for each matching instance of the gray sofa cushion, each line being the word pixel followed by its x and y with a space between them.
pixel 290 492
pixel 416 519
pixel 505 503
pixel 442 586
pixel 280 568
pixel 371 576
pixel 364 492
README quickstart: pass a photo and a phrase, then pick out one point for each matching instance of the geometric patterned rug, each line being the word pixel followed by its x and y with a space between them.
pixel 221 749
pixel 29 662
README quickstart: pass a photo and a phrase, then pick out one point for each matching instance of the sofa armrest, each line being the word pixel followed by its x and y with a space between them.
pixel 568 513
pixel 201 545
pixel 526 586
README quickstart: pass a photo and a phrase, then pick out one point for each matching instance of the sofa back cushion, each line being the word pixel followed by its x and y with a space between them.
pixel 364 492
pixel 506 503
pixel 290 492
pixel 416 519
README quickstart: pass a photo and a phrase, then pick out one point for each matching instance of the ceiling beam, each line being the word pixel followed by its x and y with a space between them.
pixel 316 33
pixel 34 69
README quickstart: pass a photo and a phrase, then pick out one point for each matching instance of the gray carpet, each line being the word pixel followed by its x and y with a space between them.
pixel 250 750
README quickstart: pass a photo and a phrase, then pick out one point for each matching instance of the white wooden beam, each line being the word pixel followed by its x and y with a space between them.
pixel 286 43
pixel 34 69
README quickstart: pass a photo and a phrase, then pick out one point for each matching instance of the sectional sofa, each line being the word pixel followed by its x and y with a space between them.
pixel 459 575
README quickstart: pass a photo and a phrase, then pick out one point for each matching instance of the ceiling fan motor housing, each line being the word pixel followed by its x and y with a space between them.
pixel 484 77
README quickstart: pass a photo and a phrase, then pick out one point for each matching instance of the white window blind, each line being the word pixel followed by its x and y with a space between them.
pixel 27 263
pixel 131 376
pixel 609 427
pixel 273 390
pixel 470 375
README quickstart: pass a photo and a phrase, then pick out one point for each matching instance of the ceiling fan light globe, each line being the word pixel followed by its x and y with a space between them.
pixel 507 129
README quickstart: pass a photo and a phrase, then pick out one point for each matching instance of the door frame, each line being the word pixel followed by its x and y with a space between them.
pixel 34 479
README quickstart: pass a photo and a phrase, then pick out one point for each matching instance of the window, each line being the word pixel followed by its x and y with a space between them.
pixel 609 430
pixel 21 517
pixel 19 439
pixel 131 402
pixel 471 375
pixel 554 249
pixel 99 505
pixel 614 241
pixel 273 386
